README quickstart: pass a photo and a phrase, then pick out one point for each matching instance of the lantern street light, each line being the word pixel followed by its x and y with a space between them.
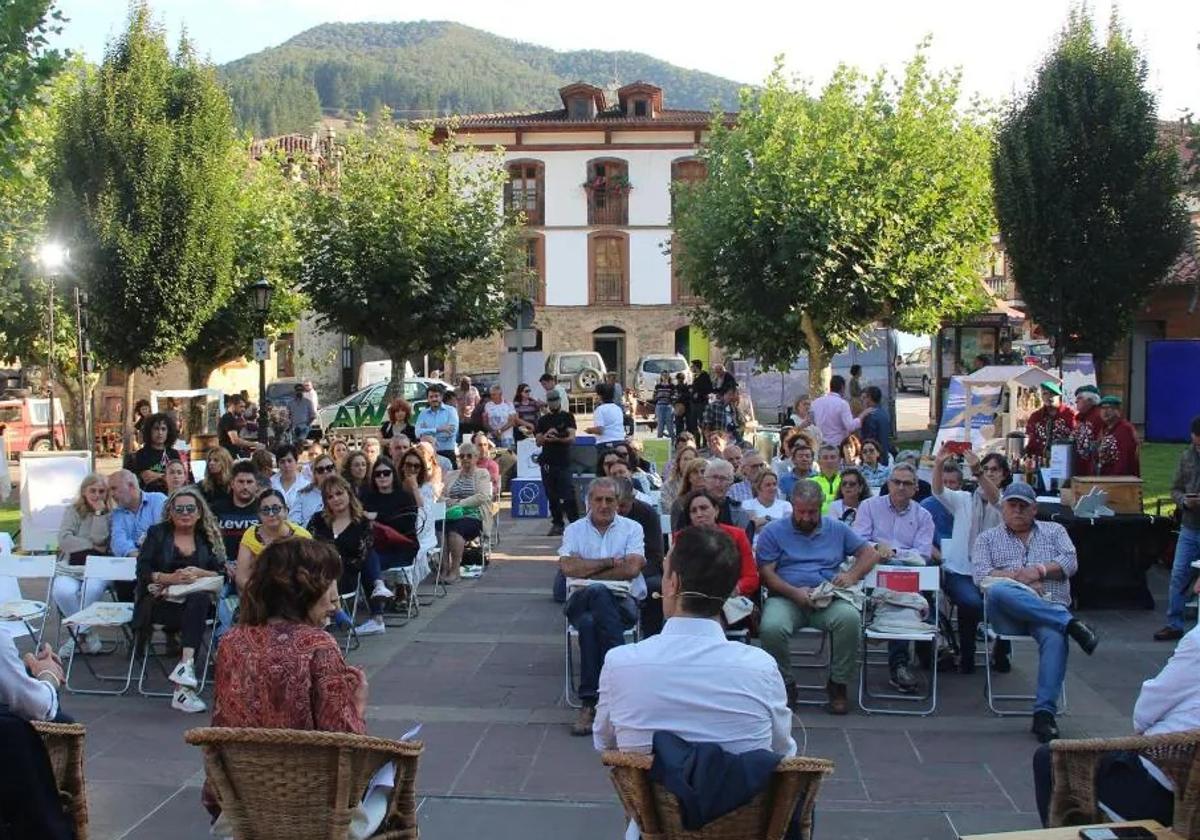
pixel 52 258
pixel 262 291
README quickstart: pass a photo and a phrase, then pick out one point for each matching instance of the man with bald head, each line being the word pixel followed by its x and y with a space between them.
pixel 135 512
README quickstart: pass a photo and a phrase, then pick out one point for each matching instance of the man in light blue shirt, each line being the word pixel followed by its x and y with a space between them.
pixel 136 511
pixel 802 467
pixel 440 421
pixel 795 556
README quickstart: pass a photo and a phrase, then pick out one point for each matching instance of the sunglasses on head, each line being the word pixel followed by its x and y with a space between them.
pixel 383 473
pixel 184 510
pixel 271 510
pixel 326 468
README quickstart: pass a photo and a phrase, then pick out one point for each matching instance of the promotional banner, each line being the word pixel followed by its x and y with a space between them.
pixel 985 403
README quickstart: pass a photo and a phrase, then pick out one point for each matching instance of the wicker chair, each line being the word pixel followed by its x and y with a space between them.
pixel 767 816
pixel 1073 800
pixel 64 744
pixel 287 783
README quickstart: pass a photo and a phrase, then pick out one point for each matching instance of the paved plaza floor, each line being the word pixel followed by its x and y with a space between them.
pixel 482 671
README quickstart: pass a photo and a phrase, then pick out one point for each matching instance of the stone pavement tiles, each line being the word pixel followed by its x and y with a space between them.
pixel 482 671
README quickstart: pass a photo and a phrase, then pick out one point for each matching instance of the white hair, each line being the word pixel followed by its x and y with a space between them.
pixel 714 465
pixel 1089 396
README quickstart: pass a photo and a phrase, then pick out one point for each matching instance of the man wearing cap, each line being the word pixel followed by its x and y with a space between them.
pixel 555 434
pixel 1039 560
pixel 1117 449
pixel 1088 426
pixel 1052 422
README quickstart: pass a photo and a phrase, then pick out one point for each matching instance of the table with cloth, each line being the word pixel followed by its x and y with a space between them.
pixel 1114 553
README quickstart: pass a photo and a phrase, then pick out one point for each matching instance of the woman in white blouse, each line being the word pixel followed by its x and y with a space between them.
pixel 84 530
pixel 766 506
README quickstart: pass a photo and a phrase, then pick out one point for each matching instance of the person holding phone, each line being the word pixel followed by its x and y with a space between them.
pixel 1185 492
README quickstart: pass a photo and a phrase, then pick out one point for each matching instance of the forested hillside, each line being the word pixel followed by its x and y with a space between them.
pixel 433 68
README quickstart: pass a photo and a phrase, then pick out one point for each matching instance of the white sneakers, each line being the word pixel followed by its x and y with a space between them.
pixel 90 644
pixel 186 700
pixel 184 675
pixel 381 591
pixel 371 627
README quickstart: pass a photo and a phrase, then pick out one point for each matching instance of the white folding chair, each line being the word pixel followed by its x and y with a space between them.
pixel 993 698
pixel 570 690
pixel 664 522
pixel 925 580
pixel 14 606
pixel 210 624
pixel 104 614
pixel 434 513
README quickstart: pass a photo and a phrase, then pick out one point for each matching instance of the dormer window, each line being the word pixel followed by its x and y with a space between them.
pixel 581 108
pixel 641 108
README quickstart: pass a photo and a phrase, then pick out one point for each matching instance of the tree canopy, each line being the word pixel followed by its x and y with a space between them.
pixel 145 181
pixel 410 249
pixel 26 64
pixel 1087 197
pixel 823 214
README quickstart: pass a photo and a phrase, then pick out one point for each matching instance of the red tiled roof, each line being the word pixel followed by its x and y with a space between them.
pixel 605 119
pixel 1184 271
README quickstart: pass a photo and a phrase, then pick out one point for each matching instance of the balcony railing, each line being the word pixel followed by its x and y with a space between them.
pixel 608 207
pixel 1001 288
pixel 610 287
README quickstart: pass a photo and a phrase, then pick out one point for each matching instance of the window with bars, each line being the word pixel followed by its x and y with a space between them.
pixel 686 172
pixel 608 192
pixel 535 270
pixel 609 263
pixel 523 193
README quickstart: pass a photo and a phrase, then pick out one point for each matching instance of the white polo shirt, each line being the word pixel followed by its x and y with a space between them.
pixel 624 536
pixel 691 681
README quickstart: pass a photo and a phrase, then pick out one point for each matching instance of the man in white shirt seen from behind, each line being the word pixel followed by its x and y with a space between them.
pixel 602 556
pixel 1129 786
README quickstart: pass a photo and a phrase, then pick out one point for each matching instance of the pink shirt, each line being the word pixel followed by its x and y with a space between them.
pixel 833 417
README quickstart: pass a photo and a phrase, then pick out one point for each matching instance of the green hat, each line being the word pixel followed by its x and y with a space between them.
pixel 1111 400
pixel 1087 389
pixel 1052 386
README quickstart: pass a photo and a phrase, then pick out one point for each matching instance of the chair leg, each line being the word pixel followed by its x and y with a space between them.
pixel 125 681
pixel 570 695
pixel 929 697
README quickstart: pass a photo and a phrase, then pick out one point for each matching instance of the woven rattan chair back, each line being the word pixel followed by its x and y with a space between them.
pixel 274 784
pixel 64 744
pixel 1074 763
pixel 794 785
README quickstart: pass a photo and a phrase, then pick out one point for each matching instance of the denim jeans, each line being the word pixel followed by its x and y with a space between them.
pixel 664 416
pixel 1012 610
pixel 601 618
pixel 1186 550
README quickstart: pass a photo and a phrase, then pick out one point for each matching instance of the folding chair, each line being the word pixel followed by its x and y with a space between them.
pixel 664 523
pixel 14 606
pixel 992 697
pixel 570 691
pixel 104 614
pixel 485 545
pixel 925 580
pixel 435 512
pixel 158 658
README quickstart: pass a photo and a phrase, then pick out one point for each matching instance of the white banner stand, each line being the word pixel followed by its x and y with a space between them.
pixel 49 483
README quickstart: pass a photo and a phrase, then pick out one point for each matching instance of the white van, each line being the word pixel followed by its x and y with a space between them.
pixel 371 372
pixel 650 367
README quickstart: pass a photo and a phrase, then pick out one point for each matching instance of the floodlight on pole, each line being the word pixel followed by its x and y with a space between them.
pixel 52 257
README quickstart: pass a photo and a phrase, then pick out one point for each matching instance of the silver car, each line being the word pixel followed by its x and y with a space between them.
pixel 913 372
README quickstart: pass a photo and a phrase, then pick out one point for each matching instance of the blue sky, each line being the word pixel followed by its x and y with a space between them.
pixel 997 45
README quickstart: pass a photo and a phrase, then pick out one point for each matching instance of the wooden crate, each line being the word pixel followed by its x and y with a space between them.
pixel 1124 491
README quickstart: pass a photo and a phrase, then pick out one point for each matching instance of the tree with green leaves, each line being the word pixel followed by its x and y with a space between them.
pixel 265 246
pixel 26 64
pixel 410 249
pixel 146 186
pixel 824 214
pixel 1087 197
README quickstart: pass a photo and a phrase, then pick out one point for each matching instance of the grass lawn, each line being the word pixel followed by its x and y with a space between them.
pixel 10 517
pixel 657 450
pixel 1158 468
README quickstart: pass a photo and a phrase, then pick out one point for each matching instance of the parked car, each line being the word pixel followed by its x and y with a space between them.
pixel 367 406
pixel 580 371
pixel 279 392
pixel 650 367
pixel 913 372
pixel 24 424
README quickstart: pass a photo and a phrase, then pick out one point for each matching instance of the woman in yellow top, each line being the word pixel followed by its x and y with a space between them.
pixel 273 526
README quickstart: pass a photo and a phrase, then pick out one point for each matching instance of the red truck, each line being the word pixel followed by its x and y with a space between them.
pixel 24 424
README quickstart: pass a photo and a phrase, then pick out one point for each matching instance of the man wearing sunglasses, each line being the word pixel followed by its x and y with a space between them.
pixel 896 523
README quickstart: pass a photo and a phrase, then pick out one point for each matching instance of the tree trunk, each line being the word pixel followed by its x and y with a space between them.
pixel 73 404
pixel 819 359
pixel 395 386
pixel 127 435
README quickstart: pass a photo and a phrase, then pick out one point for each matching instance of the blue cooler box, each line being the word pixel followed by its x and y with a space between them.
pixel 529 499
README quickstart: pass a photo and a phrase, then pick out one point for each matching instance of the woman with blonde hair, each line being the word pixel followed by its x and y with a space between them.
pixel 217 475
pixel 84 530
pixel 684 455
pixel 339 450
pixel 693 479
pixel 432 467
pixel 468 493
pixel 185 548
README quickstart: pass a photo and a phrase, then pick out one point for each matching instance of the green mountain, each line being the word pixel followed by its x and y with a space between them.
pixel 433 68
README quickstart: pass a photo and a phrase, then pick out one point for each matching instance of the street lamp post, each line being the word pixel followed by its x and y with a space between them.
pixel 262 304
pixel 53 259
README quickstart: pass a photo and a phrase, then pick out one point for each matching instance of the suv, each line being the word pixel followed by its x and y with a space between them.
pixel 579 371
pixel 651 367
pixel 23 422
pixel 913 371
